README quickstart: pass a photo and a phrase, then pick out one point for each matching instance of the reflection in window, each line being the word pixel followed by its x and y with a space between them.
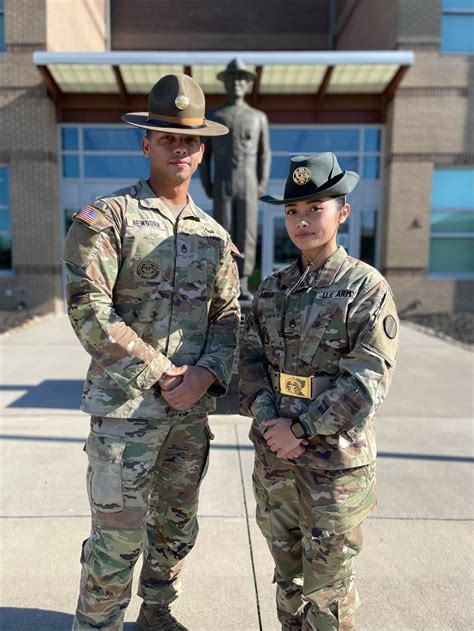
pixel 5 222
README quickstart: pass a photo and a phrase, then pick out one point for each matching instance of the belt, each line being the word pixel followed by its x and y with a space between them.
pixel 297 386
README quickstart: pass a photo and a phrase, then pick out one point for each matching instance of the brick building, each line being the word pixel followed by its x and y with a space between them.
pixel 386 85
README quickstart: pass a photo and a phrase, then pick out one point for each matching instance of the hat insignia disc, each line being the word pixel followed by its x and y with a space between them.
pixel 181 102
pixel 301 176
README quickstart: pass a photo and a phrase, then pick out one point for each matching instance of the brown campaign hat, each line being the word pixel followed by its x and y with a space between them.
pixel 176 105
pixel 236 66
pixel 315 177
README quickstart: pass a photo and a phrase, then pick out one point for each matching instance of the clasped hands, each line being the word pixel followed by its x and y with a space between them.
pixel 183 386
pixel 281 439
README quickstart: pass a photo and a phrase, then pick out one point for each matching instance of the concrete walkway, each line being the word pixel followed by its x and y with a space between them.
pixel 415 572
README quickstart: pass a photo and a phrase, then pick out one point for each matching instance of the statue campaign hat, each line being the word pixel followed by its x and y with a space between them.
pixel 176 105
pixel 315 177
pixel 236 66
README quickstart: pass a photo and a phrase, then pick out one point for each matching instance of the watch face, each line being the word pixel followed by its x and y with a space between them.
pixel 298 430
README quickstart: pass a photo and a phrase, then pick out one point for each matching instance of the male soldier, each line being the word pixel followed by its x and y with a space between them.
pixel 241 166
pixel 152 293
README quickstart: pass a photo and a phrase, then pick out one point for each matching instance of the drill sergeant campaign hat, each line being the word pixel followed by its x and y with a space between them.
pixel 176 105
pixel 315 177
pixel 236 67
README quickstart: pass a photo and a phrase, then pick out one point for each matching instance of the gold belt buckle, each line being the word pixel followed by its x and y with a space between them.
pixel 295 386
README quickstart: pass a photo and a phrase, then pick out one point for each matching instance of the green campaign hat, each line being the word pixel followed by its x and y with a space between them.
pixel 315 177
pixel 236 66
pixel 176 105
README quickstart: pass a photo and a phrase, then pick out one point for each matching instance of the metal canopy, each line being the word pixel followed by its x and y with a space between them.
pixel 119 79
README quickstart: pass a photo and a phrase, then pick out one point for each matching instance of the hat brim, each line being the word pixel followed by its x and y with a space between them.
pixel 345 185
pixel 250 76
pixel 141 119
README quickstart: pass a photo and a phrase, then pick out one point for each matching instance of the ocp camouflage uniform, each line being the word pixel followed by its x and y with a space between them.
pixel 145 292
pixel 340 324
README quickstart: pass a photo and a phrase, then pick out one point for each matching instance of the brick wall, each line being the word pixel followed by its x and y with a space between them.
pixel 28 147
pixel 222 25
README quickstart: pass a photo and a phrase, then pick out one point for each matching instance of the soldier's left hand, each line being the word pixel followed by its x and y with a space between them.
pixel 281 439
pixel 195 383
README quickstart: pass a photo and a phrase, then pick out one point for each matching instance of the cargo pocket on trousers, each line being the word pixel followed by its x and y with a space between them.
pixel 262 510
pixel 104 474
pixel 205 465
pixel 335 538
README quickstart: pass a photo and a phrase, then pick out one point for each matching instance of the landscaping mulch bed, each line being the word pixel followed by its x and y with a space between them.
pixel 12 319
pixel 458 326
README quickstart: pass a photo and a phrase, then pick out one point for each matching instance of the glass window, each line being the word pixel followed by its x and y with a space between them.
pixel 116 167
pixel 451 256
pixel 70 138
pixel 367 236
pixel 4 187
pixel 371 170
pixel 114 139
pixel 455 221
pixel 5 222
pixel 453 188
pixel 70 166
pixel 372 139
pixel 452 222
pixel 457 26
pixel 295 140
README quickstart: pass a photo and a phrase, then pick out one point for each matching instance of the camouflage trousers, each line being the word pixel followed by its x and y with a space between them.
pixel 143 483
pixel 312 521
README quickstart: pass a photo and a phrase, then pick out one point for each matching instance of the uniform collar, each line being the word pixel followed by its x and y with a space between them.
pixel 148 199
pixel 321 277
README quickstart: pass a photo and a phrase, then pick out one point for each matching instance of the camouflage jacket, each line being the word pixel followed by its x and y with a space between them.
pixel 144 292
pixel 339 321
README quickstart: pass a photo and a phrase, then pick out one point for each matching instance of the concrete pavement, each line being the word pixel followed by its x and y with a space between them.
pixel 415 573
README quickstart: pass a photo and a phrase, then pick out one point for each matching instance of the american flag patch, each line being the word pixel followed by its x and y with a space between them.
pixel 89 215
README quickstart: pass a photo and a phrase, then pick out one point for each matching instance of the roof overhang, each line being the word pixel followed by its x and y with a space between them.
pixel 286 81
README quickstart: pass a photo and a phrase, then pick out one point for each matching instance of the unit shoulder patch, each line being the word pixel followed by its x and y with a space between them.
pixel 383 331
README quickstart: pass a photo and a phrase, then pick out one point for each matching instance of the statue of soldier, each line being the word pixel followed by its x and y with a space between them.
pixel 241 166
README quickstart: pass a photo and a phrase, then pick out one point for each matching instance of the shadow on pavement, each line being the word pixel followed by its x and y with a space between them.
pixel 65 394
pixel 51 393
pixel 17 619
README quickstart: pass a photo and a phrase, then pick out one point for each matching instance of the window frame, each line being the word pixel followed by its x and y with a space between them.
pixel 453 11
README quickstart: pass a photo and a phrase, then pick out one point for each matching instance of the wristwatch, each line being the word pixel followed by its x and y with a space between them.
pixel 299 429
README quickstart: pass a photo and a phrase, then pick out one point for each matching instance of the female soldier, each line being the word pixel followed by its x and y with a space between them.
pixel 316 360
